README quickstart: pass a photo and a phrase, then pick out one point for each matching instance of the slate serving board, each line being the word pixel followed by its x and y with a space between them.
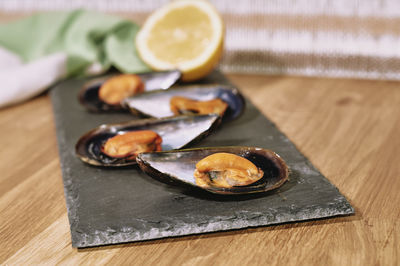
pixel 109 206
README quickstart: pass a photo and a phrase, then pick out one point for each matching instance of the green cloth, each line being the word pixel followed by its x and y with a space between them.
pixel 86 37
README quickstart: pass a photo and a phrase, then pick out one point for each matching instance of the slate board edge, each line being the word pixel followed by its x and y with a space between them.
pixel 70 196
pixel 217 227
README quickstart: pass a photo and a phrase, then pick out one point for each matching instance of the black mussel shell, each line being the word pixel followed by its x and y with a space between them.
pixel 179 166
pixel 89 95
pixel 176 132
pixel 157 103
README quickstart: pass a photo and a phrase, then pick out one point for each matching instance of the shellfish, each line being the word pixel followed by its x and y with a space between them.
pixel 157 103
pixel 226 170
pixel 180 167
pixel 117 88
pixel 129 144
pixel 183 105
pixel 127 85
pixel 175 132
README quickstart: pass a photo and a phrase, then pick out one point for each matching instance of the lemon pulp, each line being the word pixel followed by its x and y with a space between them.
pixel 184 41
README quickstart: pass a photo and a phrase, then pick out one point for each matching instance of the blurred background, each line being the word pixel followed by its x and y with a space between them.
pixel 334 38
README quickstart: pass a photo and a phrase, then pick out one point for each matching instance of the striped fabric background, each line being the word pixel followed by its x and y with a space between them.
pixel 337 38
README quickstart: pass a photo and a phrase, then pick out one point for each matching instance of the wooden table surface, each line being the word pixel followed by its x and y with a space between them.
pixel 349 129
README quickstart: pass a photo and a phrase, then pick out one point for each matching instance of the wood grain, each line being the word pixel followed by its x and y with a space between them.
pixel 349 129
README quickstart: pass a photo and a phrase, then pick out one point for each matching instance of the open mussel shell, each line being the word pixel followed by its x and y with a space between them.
pixel 180 165
pixel 176 132
pixel 157 103
pixel 89 95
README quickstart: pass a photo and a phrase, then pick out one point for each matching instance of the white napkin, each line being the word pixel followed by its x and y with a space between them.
pixel 21 81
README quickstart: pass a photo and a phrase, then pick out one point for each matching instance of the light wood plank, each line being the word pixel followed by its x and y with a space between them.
pixel 348 128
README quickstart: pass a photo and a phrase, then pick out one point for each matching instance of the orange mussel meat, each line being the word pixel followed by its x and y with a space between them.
pixel 226 170
pixel 181 105
pixel 130 144
pixel 117 88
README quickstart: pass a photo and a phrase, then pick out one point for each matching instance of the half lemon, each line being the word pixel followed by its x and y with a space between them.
pixel 186 35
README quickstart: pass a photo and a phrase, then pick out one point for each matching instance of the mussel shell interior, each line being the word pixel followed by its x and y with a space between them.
pixel 175 132
pixel 89 95
pixel 157 103
pixel 180 166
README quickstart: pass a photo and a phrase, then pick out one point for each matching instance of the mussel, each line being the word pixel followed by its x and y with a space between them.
pixel 226 170
pixel 182 105
pixel 175 133
pixel 119 87
pixel 159 103
pixel 97 95
pixel 269 171
pixel 129 144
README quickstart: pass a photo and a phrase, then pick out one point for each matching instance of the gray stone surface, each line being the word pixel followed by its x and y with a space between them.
pixel 108 206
